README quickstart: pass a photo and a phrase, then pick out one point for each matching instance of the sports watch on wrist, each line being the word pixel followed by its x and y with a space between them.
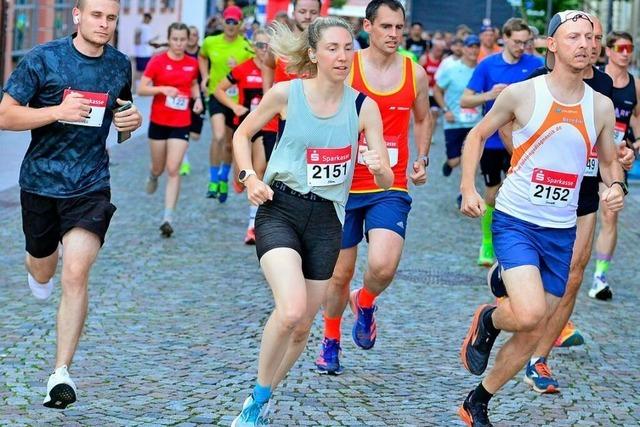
pixel 622 185
pixel 245 174
pixel 424 159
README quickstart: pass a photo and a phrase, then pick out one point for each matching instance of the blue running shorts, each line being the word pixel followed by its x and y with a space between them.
pixel 385 209
pixel 517 242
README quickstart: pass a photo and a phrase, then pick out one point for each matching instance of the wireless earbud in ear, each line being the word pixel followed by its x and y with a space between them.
pixel 76 19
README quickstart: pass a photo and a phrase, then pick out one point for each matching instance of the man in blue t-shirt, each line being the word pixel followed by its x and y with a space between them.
pixel 490 77
pixel 65 92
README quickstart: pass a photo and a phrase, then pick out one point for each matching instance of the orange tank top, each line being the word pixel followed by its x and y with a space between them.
pixel 395 107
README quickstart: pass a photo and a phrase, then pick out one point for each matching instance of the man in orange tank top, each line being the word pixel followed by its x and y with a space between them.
pixel 380 216
pixel 534 226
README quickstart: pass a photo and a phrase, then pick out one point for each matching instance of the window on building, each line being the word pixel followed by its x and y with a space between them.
pixel 126 6
pixel 63 19
pixel 25 27
pixel 168 5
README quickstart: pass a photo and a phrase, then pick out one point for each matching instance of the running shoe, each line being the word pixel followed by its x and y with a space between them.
pixel 237 186
pixel 328 362
pixel 476 347
pixel 474 414
pixel 569 337
pixel 152 184
pixel 61 391
pixel 185 169
pixel 486 257
pixel 41 291
pixel 250 237
pixel 446 169
pixel 364 328
pixel 223 191
pixel 212 191
pixel 494 281
pixel 166 229
pixel 600 289
pixel 538 376
pixel 252 414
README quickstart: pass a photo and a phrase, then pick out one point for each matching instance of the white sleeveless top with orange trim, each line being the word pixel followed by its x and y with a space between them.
pixel 548 161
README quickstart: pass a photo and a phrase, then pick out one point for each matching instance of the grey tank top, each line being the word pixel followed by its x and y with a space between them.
pixel 317 154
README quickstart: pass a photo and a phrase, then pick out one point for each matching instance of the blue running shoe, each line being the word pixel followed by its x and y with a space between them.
pixel 253 414
pixel 538 376
pixel 364 328
pixel 223 191
pixel 328 362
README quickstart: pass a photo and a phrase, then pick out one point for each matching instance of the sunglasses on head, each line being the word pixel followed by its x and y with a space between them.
pixel 230 21
pixel 261 45
pixel 623 48
pixel 574 16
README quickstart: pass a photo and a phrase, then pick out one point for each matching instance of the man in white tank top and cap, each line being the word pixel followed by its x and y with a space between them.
pixel 557 120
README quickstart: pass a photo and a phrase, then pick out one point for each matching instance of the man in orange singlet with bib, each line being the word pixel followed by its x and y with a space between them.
pixel 378 215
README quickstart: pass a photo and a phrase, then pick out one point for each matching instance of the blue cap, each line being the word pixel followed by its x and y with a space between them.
pixel 471 39
pixel 486 28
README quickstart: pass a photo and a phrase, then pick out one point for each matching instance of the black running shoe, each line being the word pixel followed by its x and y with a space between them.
pixel 476 347
pixel 446 169
pixel 166 229
pixel 474 414
pixel 494 280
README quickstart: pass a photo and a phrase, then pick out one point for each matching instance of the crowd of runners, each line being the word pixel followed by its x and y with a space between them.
pixel 311 118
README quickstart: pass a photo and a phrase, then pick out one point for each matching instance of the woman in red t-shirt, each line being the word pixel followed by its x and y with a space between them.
pixel 248 77
pixel 171 78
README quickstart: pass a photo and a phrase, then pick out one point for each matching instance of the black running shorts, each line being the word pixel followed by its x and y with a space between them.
pixel 493 164
pixel 310 227
pixel 45 220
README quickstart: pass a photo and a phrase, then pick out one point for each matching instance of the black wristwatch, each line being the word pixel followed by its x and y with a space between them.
pixel 622 185
pixel 425 160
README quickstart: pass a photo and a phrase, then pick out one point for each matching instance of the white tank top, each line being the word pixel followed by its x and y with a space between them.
pixel 550 154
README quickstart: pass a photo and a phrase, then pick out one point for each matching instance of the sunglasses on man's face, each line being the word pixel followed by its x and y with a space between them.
pixel 261 45
pixel 623 48
pixel 574 16
pixel 230 21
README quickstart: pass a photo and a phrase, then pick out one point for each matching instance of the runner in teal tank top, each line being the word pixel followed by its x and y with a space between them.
pixel 305 188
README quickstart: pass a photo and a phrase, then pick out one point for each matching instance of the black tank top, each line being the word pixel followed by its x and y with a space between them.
pixel 624 101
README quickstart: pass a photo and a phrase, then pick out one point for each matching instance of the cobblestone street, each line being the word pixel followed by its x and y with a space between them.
pixel 174 324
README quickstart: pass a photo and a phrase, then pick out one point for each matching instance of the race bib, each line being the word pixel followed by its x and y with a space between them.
pixel 592 163
pixel 469 115
pixel 232 91
pixel 179 102
pixel 328 166
pixel 551 188
pixel 392 148
pixel 619 131
pixel 255 101
pixel 98 103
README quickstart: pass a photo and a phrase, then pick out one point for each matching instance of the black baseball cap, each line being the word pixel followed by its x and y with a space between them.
pixel 555 22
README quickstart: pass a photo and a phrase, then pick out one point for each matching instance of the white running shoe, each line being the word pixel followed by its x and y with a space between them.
pixel 252 414
pixel 600 289
pixel 41 291
pixel 61 391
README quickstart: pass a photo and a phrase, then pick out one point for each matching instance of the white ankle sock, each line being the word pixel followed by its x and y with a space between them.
pixel 39 290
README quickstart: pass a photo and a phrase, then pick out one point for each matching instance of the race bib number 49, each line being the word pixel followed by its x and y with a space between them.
pixel 180 102
pixel 98 103
pixel 619 131
pixel 328 166
pixel 552 188
pixel 592 163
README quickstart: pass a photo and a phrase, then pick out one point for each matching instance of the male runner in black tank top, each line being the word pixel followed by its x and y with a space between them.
pixel 625 94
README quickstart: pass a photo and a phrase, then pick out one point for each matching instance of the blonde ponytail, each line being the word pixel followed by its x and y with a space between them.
pixel 294 48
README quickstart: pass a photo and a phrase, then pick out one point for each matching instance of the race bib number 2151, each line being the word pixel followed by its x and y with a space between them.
pixel 328 166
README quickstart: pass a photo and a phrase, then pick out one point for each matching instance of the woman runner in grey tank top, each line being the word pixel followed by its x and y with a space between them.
pixel 301 201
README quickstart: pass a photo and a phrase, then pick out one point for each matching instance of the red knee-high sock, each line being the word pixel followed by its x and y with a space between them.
pixel 366 298
pixel 332 327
